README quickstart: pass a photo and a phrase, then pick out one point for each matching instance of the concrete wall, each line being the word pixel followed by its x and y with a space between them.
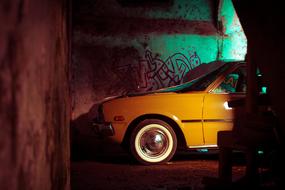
pixel 34 100
pixel 124 47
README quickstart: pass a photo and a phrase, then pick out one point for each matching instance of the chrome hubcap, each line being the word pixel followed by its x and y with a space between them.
pixel 154 142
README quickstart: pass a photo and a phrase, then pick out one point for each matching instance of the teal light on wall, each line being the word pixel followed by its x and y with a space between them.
pixel 204 46
pixel 198 10
pixel 123 49
pixel 233 42
pixel 165 42
pixel 227 42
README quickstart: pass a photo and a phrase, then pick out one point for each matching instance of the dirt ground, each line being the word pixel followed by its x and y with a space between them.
pixel 122 173
pixel 185 172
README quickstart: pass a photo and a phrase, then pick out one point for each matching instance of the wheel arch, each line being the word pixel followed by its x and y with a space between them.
pixel 181 142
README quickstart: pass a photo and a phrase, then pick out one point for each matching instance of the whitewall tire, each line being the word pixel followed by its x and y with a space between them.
pixel 153 141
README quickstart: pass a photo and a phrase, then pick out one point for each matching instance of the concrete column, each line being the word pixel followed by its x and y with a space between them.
pixel 34 95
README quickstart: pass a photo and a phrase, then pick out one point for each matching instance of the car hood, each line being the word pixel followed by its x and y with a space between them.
pixel 107 99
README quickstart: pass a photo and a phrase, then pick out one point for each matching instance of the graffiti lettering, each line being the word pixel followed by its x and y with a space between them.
pixel 151 72
pixel 160 74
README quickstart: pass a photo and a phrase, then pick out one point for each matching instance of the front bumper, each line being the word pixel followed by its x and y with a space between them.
pixel 103 129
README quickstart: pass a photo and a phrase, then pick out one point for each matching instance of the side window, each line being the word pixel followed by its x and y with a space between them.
pixel 234 82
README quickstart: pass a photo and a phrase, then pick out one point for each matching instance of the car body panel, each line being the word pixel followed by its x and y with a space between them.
pixel 217 116
pixel 178 107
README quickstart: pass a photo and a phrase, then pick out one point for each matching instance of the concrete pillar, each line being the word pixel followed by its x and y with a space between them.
pixel 34 96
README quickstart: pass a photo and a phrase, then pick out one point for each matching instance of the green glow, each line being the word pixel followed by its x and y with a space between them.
pixel 233 42
pixel 202 150
pixel 260 152
pixel 184 9
pixel 234 47
pixel 258 73
pixel 177 9
pixel 264 90
pixel 229 18
pixel 231 45
pixel 228 85
pixel 204 46
pixel 178 87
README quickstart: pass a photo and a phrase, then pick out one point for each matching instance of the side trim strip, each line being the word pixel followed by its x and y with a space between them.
pixel 204 146
pixel 206 120
pixel 191 120
pixel 218 120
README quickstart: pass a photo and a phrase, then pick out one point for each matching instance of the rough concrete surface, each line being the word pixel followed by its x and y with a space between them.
pixel 122 48
pixel 34 96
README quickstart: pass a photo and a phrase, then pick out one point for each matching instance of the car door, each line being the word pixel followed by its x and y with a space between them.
pixel 217 115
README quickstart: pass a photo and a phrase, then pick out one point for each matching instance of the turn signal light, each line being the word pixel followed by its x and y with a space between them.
pixel 119 118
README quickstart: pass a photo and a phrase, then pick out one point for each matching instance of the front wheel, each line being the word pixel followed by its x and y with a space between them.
pixel 153 141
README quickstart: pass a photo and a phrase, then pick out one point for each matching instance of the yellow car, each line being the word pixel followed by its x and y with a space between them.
pixel 154 124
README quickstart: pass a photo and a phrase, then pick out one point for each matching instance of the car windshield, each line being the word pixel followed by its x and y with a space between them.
pixel 199 84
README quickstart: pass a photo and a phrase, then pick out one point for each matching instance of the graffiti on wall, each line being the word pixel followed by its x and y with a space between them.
pixel 160 74
pixel 151 72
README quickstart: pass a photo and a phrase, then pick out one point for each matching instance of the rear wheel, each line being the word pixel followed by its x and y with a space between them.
pixel 153 141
